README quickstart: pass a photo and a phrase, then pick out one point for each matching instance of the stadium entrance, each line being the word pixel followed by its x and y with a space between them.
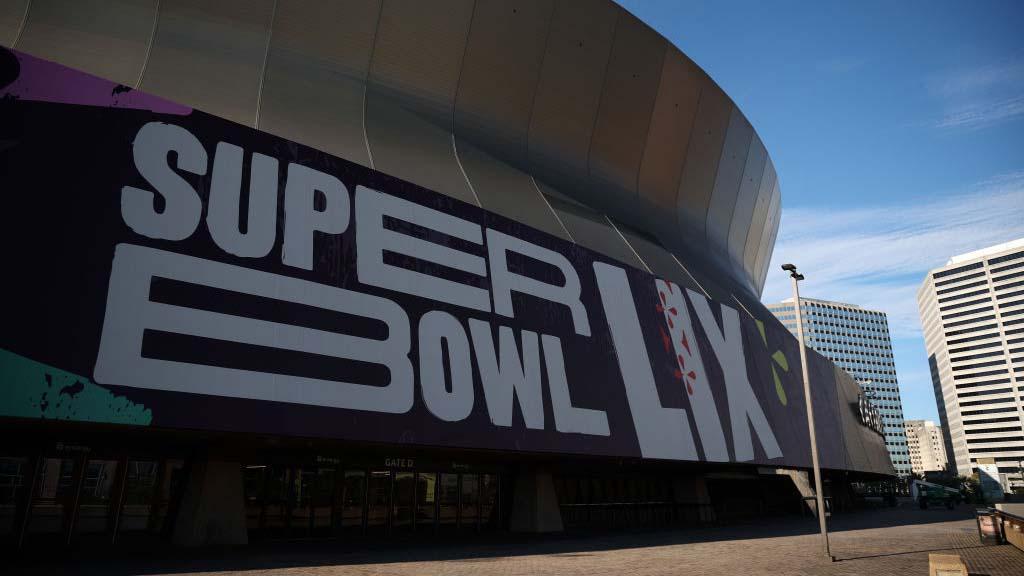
pixel 62 498
pixel 83 489
pixel 333 499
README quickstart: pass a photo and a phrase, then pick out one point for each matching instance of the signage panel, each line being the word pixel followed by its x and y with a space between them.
pixel 169 268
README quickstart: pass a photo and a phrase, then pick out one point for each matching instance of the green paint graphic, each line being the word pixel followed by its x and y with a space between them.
pixel 30 389
pixel 780 359
pixel 760 328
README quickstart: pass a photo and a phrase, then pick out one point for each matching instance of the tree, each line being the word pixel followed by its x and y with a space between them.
pixel 970 487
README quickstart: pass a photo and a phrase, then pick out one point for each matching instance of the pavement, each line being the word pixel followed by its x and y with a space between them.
pixel 889 541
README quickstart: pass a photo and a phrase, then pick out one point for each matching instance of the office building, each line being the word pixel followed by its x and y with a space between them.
pixel 927 450
pixel 347 269
pixel 857 340
pixel 972 314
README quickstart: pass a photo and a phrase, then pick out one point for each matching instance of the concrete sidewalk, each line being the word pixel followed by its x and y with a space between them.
pixel 875 543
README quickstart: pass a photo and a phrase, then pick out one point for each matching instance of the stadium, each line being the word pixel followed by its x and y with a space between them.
pixel 388 269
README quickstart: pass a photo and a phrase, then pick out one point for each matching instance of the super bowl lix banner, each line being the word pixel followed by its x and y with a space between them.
pixel 169 268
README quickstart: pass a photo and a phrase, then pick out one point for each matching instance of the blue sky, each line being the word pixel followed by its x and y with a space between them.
pixel 896 128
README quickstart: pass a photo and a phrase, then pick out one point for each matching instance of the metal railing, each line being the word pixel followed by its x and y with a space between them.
pixel 1011 527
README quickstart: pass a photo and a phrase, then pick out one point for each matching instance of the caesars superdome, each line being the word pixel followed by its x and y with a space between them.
pixel 340 268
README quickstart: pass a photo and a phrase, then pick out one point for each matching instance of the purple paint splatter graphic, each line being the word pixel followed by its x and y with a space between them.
pixel 45 81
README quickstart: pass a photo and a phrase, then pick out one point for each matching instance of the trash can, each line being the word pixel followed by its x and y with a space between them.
pixel 988 526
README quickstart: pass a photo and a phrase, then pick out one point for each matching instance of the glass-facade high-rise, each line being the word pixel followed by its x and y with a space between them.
pixel 857 340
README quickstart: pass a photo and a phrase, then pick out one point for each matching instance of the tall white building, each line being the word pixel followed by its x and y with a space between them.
pixel 972 312
pixel 857 340
pixel 927 450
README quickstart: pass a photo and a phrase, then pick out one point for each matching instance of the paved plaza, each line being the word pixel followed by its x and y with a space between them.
pixel 876 543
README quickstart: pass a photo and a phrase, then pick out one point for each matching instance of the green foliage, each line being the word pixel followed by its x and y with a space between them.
pixel 970 487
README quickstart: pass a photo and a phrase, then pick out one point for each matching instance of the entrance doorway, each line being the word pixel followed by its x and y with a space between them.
pixel 378 502
pixel 84 499
pixel 318 501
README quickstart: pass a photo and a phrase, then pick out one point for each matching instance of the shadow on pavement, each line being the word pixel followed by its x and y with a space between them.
pixel 905 552
pixel 281 555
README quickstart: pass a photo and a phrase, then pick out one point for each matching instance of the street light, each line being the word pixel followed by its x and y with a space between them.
pixel 819 488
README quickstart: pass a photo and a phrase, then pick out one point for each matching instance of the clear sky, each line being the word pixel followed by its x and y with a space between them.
pixel 896 128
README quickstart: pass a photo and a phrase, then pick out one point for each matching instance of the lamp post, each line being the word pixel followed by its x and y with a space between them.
pixel 819 488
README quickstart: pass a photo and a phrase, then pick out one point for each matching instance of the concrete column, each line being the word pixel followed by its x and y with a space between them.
pixel 802 483
pixel 212 510
pixel 535 504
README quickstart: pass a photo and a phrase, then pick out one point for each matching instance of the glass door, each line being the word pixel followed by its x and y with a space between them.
pixel 254 481
pixel 404 503
pixel 169 485
pixel 469 517
pixel 323 501
pixel 54 495
pixel 489 495
pixel 426 502
pixel 378 494
pixel 95 499
pixel 448 505
pixel 14 472
pixel 276 513
pixel 353 499
pixel 300 497
pixel 139 491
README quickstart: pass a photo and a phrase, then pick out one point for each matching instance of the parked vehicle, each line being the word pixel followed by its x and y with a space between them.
pixel 927 494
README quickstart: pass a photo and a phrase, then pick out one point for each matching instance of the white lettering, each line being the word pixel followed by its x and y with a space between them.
pixel 130 313
pixel 662 432
pixel 504 375
pixel 222 217
pixel 504 281
pixel 182 207
pixel 456 405
pixel 302 219
pixel 568 418
pixel 373 239
pixel 692 374
pixel 727 344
